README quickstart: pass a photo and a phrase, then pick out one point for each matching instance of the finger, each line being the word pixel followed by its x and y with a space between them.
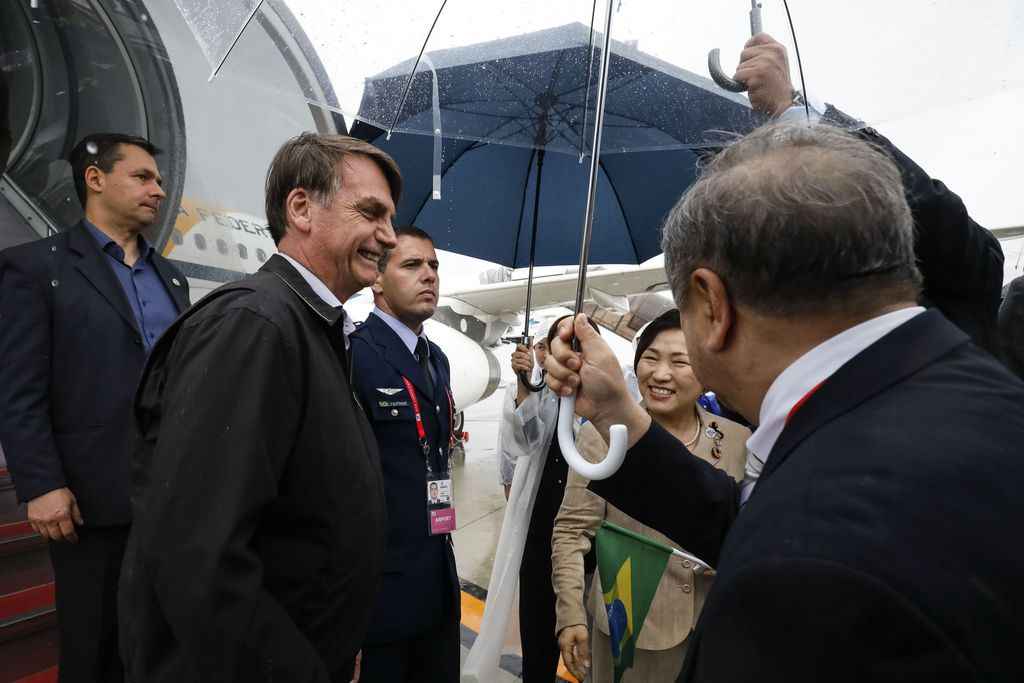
pixel 568 656
pixel 522 348
pixel 583 652
pixel 560 372
pixel 749 54
pixel 565 330
pixel 37 527
pixel 760 39
pixel 76 514
pixel 53 532
pixel 557 386
pixel 67 530
pixel 563 355
pixel 584 332
pixel 358 668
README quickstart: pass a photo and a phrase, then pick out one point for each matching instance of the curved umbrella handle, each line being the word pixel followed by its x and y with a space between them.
pixel 719 77
pixel 525 379
pixel 714 56
pixel 617 439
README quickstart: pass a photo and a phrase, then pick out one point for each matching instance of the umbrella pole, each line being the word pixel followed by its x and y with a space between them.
pixel 617 434
pixel 595 158
pixel 529 280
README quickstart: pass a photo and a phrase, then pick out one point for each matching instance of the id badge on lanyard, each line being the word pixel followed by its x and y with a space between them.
pixel 440 510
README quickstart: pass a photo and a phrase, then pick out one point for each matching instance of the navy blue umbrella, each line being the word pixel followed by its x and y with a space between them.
pixel 491 202
pixel 514 125
pixel 491 140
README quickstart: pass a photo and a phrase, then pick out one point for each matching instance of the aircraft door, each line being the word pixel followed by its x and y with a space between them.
pixel 74 68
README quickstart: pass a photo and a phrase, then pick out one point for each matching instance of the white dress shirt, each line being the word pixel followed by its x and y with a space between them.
pixel 802 376
pixel 408 337
pixel 322 291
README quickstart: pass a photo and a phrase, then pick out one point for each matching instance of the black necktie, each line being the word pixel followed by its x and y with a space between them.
pixel 423 356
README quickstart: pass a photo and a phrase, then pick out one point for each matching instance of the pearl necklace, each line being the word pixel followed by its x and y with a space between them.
pixel 696 434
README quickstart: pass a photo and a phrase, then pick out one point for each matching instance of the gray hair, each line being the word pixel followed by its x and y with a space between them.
pixel 310 161
pixel 796 219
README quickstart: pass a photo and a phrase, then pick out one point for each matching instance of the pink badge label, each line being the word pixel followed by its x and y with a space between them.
pixel 442 521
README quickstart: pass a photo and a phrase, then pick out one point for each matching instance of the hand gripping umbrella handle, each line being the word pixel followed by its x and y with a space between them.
pixel 617 440
pixel 714 56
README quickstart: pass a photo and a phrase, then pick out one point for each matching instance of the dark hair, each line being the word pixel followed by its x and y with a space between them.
pixel 669 320
pixel 102 150
pixel 797 220
pixel 402 231
pixel 310 161
pixel 553 330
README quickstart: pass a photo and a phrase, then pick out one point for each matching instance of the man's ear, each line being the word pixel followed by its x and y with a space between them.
pixel 298 207
pixel 94 179
pixel 712 304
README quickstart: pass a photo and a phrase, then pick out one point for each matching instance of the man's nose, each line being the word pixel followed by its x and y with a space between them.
pixel 159 191
pixel 386 235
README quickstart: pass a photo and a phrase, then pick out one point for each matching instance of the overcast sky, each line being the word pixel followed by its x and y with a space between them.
pixel 944 79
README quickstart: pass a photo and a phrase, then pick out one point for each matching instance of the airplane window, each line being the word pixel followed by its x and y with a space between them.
pixel 176 237
pixel 242 251
pixel 222 246
pixel 261 255
pixel 200 242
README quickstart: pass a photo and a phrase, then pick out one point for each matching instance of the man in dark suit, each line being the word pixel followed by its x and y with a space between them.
pixel 259 505
pixel 80 311
pixel 868 540
pixel 403 382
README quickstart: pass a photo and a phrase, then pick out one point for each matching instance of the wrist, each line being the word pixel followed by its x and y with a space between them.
pixel 628 413
pixel 795 99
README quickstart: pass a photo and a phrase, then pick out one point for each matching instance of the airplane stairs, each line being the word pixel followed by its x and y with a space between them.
pixel 28 620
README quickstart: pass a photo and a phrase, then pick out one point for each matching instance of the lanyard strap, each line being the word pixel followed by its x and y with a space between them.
pixel 451 419
pixel 420 431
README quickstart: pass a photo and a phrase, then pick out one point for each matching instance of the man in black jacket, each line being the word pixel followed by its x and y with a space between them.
pixel 867 541
pixel 78 313
pixel 259 504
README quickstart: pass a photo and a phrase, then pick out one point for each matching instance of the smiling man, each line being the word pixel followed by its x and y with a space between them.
pixel 79 312
pixel 403 381
pixel 259 502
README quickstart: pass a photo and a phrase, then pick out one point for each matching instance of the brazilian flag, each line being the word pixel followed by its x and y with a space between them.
pixel 631 567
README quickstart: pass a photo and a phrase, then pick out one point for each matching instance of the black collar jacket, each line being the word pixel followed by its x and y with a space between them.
pixel 258 497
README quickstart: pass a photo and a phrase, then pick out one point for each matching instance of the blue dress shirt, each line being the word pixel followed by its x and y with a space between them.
pixel 149 299
pixel 408 337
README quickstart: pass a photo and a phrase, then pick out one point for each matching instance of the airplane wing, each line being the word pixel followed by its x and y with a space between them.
pixel 606 286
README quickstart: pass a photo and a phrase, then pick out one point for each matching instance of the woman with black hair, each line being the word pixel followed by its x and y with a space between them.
pixel 670 392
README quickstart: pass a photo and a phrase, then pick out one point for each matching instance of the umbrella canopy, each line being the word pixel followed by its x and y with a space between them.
pixel 529 117
pixel 537 90
pixel 486 206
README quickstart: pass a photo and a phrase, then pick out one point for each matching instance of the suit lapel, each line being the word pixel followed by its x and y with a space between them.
pixel 396 353
pixel 172 283
pixel 897 355
pixel 92 265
